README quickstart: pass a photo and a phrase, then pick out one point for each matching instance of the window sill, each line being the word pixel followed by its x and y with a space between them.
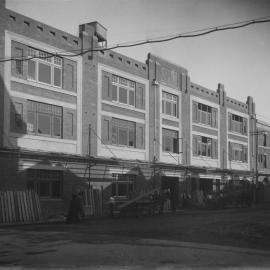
pixel 237 134
pixel 170 117
pixel 121 105
pixel 205 158
pixel 131 149
pixel 43 85
pixel 238 162
pixel 204 125
pixel 42 138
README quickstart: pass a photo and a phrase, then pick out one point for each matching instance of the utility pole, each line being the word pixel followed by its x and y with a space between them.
pixel 89 152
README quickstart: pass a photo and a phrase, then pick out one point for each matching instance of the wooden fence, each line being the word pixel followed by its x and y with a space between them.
pixel 93 202
pixel 19 207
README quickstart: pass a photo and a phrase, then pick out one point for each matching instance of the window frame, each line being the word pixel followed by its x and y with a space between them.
pixel 238 124
pixel 38 177
pixel 123 84
pixel 32 108
pixel 206 110
pixel 173 140
pixel 238 152
pixel 129 180
pixel 204 142
pixel 128 127
pixel 47 59
pixel 173 100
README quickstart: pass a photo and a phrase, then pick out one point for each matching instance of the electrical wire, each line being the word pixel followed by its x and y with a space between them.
pixel 104 144
pixel 191 34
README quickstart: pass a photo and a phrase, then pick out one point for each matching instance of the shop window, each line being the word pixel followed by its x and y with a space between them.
pixel 47 183
pixel 123 185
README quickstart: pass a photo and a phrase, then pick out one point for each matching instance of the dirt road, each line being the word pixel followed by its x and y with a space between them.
pixel 189 239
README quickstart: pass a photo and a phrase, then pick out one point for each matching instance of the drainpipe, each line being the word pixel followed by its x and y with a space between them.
pixel 155 83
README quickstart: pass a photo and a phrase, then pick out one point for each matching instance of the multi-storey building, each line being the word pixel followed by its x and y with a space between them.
pixel 71 116
pixel 262 150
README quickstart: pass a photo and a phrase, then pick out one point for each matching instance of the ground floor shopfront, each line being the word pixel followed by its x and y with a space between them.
pixel 55 177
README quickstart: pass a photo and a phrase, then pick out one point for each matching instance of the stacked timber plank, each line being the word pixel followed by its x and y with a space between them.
pixel 19 207
pixel 93 202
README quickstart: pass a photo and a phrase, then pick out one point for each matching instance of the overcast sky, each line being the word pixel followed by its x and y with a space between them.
pixel 240 59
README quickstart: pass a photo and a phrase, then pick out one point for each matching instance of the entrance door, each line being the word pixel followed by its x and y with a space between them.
pixel 171 183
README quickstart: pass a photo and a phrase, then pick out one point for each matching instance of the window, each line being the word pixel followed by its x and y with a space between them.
pixel 70 126
pixel 123 90
pixel 204 114
pixel 169 104
pixel 264 140
pixel 238 152
pixel 47 183
pixel 123 185
pixel 262 159
pixel 44 67
pixel 19 63
pixel 18 114
pixel 204 146
pixel 44 119
pixel 123 132
pixel 170 141
pixel 237 124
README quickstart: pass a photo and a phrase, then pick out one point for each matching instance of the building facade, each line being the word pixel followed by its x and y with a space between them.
pixel 71 117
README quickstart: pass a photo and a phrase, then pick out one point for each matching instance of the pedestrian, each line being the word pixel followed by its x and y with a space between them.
pixel 72 216
pixel 75 211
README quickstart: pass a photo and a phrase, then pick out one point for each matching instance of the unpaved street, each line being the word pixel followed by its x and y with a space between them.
pixel 234 239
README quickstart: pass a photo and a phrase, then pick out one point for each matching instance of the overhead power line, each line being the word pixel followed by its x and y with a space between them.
pixel 190 34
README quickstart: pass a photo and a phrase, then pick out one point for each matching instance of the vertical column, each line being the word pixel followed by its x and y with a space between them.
pixel 223 127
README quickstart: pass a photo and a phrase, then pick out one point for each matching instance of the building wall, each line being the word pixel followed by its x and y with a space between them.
pixel 262 136
pixel 18 33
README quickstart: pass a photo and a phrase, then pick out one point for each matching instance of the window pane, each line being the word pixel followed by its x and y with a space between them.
pixel 114 135
pixel 123 136
pixel 163 106
pixel 122 189
pixel 31 120
pixel 131 138
pixel 56 189
pixel 57 76
pixel 44 73
pixel 19 63
pixel 123 95
pixel 174 110
pixel 168 108
pixel 114 189
pixel 32 69
pixel 131 98
pixel 57 126
pixel 105 130
pixel 114 92
pixel 44 124
pixel 44 189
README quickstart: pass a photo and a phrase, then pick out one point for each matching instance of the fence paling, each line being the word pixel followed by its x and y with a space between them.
pixel 19 207
pixel 92 200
